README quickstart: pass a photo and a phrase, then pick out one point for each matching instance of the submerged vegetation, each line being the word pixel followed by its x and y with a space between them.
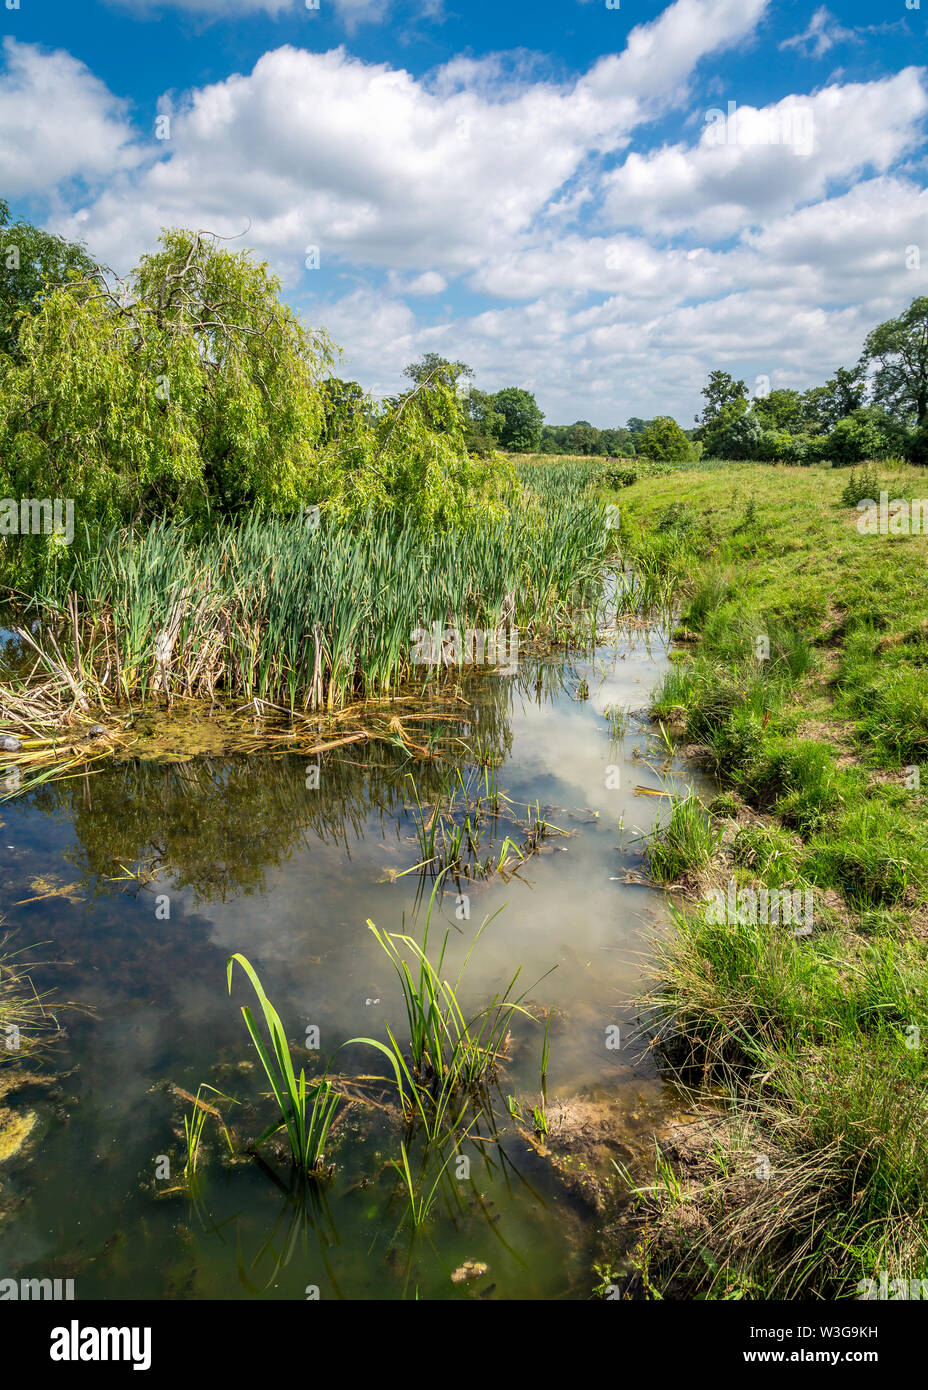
pixel 26 1022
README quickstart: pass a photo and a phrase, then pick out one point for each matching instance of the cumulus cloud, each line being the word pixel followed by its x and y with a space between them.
pixel 370 163
pixel 59 123
pixel 608 278
pixel 761 163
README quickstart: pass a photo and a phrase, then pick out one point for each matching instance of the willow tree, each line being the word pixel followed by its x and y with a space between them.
pixel 408 455
pixel 188 388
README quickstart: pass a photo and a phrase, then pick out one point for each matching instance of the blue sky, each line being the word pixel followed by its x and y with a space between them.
pixel 539 189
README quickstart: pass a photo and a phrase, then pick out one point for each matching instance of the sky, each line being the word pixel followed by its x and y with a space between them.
pixel 598 200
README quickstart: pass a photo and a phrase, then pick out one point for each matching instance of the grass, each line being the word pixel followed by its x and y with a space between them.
pixel 686 842
pixel 819 736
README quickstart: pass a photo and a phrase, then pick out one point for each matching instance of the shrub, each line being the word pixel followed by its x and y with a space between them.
pixel 663 439
pixel 856 489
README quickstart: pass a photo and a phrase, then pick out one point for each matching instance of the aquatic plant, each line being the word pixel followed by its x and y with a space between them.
pixel 194 1125
pixel 545 1052
pixel 421 1201
pixel 306 618
pixel 306 1112
pixel 443 1043
pixel 449 833
pixel 452 1056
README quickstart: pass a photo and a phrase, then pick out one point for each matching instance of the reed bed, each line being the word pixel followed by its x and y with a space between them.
pixel 305 619
pixel 310 633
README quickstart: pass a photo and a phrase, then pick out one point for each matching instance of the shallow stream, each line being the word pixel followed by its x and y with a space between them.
pixel 246 857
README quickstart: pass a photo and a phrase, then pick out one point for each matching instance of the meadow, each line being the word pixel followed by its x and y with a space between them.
pixel 800 683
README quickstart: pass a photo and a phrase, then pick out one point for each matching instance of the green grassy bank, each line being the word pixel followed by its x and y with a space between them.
pixel 802 684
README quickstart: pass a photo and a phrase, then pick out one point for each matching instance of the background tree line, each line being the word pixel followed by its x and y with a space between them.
pixel 876 409
pixel 190 384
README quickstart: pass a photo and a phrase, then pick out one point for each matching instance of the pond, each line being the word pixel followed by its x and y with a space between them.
pixel 234 854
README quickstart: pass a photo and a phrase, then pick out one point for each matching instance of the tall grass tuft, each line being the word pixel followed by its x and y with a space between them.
pixel 687 841
pixel 306 1112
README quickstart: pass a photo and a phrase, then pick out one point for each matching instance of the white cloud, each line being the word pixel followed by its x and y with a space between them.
pixel 428 283
pixel 716 189
pixel 615 287
pixel 823 32
pixel 369 163
pixel 59 122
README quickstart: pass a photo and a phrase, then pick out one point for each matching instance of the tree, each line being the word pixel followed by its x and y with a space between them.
pixel 780 410
pixel 433 370
pixel 554 439
pixel 845 392
pixel 618 442
pixel 32 263
pixel 722 393
pixel 188 388
pixel 521 431
pixel 816 410
pixel 900 347
pixel 483 424
pixel 736 435
pixel 583 438
pixel 865 434
pixel 342 403
pixel 663 439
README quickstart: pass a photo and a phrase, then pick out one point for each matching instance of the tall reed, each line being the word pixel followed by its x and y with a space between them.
pixel 304 618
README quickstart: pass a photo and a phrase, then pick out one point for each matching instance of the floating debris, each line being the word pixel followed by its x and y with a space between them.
pixel 470 1269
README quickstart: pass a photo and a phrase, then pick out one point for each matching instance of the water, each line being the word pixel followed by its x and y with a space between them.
pixel 251 860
